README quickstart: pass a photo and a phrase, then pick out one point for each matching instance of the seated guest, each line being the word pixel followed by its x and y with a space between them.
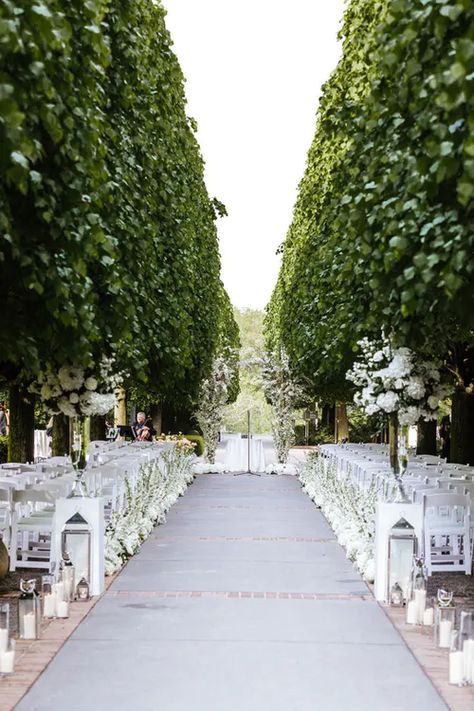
pixel 143 429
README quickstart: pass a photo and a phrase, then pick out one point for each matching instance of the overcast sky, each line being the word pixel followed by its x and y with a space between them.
pixel 254 71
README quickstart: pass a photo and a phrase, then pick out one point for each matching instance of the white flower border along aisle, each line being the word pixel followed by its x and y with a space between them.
pixel 349 510
pixel 159 486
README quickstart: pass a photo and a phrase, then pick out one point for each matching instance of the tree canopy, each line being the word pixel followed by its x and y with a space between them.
pixel 108 237
pixel 382 235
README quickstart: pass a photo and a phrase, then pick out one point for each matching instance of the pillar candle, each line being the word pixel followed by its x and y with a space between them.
pixel 3 640
pixel 468 652
pixel 456 667
pixel 58 590
pixel 412 613
pixel 428 616
pixel 420 599
pixel 62 608
pixel 49 608
pixel 445 633
pixel 7 661
pixel 29 626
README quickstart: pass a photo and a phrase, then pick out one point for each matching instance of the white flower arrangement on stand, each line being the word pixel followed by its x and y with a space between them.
pixel 395 381
pixel 283 394
pixel 158 487
pixel 77 392
pixel 349 510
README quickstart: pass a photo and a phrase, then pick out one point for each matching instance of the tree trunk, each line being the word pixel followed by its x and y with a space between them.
pixel 97 428
pixel 120 410
pixel 342 423
pixel 426 437
pixel 462 428
pixel 60 440
pixel 329 417
pixel 21 445
pixel 155 413
pixel 393 432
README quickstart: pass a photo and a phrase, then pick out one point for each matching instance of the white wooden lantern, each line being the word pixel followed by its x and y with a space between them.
pixel 79 531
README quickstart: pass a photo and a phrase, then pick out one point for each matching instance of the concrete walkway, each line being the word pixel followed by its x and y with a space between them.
pixel 243 601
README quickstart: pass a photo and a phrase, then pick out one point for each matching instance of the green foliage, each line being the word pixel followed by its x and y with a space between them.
pixel 251 396
pixel 200 444
pixel 382 228
pixel 3 448
pixel 362 427
pixel 108 238
pixel 229 343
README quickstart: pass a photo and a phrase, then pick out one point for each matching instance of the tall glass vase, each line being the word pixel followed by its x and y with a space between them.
pixel 76 442
pixel 398 457
pixel 77 453
pixel 394 430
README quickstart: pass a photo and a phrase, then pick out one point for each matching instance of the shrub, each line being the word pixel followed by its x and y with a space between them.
pixel 200 444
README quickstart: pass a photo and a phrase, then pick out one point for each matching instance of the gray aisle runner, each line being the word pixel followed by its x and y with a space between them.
pixel 243 601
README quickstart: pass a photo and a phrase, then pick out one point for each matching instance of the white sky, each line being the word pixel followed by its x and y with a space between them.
pixel 254 70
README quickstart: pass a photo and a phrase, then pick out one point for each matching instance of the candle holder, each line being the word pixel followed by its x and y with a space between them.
pixel 68 575
pixel 466 643
pixel 7 659
pixel 82 590
pixel 4 626
pixel 416 600
pixel 49 596
pixel 444 626
pixel 29 610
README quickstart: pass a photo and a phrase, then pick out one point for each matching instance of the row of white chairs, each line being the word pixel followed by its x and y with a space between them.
pixel 446 492
pixel 28 494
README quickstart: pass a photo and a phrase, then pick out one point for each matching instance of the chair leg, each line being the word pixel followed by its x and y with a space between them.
pixel 13 543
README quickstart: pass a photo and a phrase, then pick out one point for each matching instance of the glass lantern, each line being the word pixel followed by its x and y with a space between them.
pixel 29 610
pixel 7 658
pixel 402 547
pixel 76 545
pixel 4 626
pixel 49 596
pixel 82 590
pixel 68 575
pixel 444 626
pixel 466 643
pixel 416 600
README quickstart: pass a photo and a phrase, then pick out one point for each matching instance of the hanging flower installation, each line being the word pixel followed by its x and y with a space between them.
pixel 213 399
pixel 283 394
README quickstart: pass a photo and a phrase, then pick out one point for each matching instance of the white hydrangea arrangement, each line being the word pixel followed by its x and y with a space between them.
pixel 213 399
pixel 200 466
pixel 280 469
pixel 283 394
pixel 75 391
pixel 158 487
pixel 393 380
pixel 349 510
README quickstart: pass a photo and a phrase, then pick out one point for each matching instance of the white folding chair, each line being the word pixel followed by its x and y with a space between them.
pixel 32 522
pixel 447 532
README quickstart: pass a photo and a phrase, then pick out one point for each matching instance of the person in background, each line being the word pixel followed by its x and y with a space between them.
pixel 3 420
pixel 143 429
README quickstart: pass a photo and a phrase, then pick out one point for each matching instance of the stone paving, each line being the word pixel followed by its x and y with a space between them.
pixel 242 601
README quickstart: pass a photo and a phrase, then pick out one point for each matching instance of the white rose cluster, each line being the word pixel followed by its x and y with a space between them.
pixel 75 391
pixel 392 380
